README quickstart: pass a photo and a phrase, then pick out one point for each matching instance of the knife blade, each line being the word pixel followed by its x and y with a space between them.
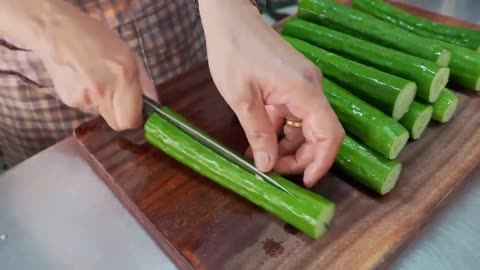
pixel 150 106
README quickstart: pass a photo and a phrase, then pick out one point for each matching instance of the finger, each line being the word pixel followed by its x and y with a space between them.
pixel 127 106
pixel 147 84
pixel 94 110
pixel 75 96
pixel 292 140
pixel 323 132
pixel 100 97
pixel 258 128
pixel 325 154
pixel 320 127
pixel 126 100
pixel 88 105
pixel 295 164
pixel 105 109
pixel 275 114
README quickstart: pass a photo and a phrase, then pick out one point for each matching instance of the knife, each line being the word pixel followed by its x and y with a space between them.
pixel 151 106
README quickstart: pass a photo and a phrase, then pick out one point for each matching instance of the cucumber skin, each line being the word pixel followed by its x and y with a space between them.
pixel 371 126
pixel 354 22
pixel 410 118
pixel 365 166
pixel 302 210
pixel 464 63
pixel 407 66
pixel 460 36
pixel 447 98
pixel 464 66
pixel 377 88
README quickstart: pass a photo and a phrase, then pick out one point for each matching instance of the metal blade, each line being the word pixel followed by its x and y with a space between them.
pixel 151 105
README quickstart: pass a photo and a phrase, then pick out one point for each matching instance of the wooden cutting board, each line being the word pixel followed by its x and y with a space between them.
pixel 202 226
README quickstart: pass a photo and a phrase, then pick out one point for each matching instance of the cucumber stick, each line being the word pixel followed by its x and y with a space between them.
pixel 374 128
pixel 362 25
pixel 464 63
pixel 389 93
pixel 429 77
pixel 307 211
pixel 461 36
pixel 446 105
pixel 367 167
pixel 417 119
pixel 464 66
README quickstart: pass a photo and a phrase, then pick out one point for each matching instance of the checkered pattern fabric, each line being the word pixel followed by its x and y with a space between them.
pixel 32 118
pixel 166 34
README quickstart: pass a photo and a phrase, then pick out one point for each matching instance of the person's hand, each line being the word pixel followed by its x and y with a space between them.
pixel 265 81
pixel 91 68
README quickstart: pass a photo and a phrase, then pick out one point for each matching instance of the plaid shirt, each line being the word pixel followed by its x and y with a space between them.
pixel 32 118
pixel 167 34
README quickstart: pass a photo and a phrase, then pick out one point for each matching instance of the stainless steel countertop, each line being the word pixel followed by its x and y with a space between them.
pixel 56 213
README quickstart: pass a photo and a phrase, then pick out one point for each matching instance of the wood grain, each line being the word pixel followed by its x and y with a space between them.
pixel 202 226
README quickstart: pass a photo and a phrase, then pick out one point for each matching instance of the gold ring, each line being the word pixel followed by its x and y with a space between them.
pixel 294 123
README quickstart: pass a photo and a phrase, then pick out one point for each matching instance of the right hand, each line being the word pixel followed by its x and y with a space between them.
pixel 91 68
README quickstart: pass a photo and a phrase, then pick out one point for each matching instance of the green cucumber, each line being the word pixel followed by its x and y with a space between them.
pixel 464 66
pixel 354 22
pixel 417 119
pixel 429 77
pixel 464 63
pixel 389 93
pixel 367 167
pixel 446 105
pixel 461 36
pixel 374 128
pixel 305 210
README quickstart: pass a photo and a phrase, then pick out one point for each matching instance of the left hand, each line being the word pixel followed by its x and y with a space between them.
pixel 265 81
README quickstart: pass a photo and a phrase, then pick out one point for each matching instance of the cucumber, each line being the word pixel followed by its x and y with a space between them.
pixel 429 77
pixel 461 36
pixel 374 128
pixel 306 211
pixel 446 105
pixel 367 167
pixel 464 63
pixel 464 66
pixel 389 93
pixel 362 25
pixel 417 119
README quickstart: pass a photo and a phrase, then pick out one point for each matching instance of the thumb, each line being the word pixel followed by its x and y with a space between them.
pixel 259 131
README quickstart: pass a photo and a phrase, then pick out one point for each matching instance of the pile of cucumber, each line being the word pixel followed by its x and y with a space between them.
pixel 385 76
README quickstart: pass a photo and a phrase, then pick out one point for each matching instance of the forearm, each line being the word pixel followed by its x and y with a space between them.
pixel 213 12
pixel 233 19
pixel 19 19
pixel 30 21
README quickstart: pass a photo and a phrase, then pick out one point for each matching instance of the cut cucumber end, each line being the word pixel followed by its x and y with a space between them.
pixel 438 83
pixel 444 59
pixel 324 220
pixel 449 112
pixel 477 85
pixel 404 100
pixel 421 123
pixel 398 145
pixel 391 179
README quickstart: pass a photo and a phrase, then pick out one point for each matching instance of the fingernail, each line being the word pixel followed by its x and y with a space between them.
pixel 262 160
